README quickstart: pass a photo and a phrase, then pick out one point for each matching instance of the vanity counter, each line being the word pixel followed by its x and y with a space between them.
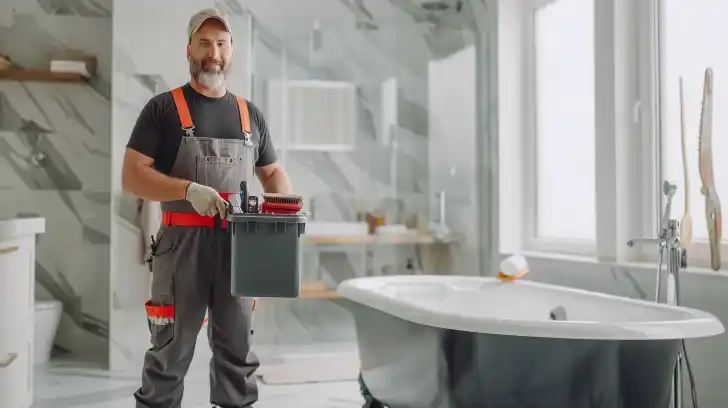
pixel 17 307
pixel 21 227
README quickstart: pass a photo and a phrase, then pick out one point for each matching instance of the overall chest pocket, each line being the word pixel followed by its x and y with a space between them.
pixel 224 173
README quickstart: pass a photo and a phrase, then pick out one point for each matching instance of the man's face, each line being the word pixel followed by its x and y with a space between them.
pixel 210 53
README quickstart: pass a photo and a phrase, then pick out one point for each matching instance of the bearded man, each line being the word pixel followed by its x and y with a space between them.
pixel 190 150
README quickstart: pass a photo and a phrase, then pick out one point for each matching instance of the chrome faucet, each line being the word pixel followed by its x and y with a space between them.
pixel 440 195
pixel 668 242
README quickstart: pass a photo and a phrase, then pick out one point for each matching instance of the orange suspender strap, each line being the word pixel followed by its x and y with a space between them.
pixel 244 114
pixel 182 110
pixel 186 119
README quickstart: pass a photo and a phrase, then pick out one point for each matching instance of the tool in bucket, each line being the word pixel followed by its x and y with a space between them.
pixel 266 244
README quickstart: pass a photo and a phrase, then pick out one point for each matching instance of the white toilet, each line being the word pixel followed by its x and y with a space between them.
pixel 47 318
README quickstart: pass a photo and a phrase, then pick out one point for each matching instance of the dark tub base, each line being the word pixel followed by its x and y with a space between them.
pixel 406 365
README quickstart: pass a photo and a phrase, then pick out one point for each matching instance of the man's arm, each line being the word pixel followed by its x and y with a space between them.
pixel 270 173
pixel 274 179
pixel 139 177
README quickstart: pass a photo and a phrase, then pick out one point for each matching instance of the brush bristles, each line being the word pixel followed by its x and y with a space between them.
pixel 276 198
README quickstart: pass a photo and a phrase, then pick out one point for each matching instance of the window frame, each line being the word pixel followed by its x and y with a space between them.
pixel 532 241
pixel 627 107
pixel 699 251
pixel 648 110
pixel 629 40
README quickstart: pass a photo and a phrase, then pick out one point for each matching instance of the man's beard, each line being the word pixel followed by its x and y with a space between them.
pixel 211 77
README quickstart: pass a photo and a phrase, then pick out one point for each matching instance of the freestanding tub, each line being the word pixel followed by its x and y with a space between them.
pixel 462 342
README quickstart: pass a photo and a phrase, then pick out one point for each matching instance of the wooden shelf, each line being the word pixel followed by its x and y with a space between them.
pixel 315 290
pixel 40 75
pixel 389 239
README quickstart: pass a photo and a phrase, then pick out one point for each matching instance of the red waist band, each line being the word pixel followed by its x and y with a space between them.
pixel 193 219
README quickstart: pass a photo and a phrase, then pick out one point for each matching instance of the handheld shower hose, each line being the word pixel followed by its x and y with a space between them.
pixel 664 253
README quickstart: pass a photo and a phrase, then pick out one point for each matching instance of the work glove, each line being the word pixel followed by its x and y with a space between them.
pixel 205 200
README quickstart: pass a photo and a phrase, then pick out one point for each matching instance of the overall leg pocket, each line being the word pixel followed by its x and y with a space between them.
pixel 161 323
pixel 161 313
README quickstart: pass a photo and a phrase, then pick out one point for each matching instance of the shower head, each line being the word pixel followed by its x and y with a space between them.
pixel 668 188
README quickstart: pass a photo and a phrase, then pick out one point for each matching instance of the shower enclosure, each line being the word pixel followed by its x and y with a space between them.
pixel 377 109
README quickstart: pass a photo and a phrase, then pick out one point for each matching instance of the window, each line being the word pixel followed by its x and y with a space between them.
pixel 692 40
pixel 562 194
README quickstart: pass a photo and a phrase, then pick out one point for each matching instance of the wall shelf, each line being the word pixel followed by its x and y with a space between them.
pixel 384 239
pixel 40 75
pixel 315 290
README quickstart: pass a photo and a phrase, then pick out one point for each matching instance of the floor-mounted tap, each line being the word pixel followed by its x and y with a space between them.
pixel 668 242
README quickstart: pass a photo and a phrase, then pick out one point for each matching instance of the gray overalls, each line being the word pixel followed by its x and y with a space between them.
pixel 191 273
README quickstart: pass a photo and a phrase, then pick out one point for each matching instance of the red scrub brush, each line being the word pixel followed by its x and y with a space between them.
pixel 275 203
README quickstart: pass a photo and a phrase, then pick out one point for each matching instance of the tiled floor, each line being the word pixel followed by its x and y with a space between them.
pixel 70 385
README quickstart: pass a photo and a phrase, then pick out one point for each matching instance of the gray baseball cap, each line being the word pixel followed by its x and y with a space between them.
pixel 203 15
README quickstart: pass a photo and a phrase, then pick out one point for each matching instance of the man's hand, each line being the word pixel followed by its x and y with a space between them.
pixel 206 200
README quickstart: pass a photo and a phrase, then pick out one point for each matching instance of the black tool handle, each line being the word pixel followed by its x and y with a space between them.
pixel 244 196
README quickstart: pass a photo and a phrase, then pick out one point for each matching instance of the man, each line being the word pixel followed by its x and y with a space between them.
pixel 190 149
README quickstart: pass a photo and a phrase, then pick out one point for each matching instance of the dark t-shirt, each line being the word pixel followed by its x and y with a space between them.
pixel 158 134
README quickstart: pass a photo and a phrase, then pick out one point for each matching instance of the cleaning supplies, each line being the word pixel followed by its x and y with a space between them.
pixel 244 196
pixel 512 268
pixel 253 205
pixel 713 215
pixel 281 203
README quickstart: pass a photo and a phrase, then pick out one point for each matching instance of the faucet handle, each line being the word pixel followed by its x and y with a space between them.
pixel 634 241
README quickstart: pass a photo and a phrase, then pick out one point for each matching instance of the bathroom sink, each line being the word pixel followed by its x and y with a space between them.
pixel 336 228
pixel 21 226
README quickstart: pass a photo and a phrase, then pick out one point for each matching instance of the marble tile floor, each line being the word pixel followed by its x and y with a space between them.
pixel 72 385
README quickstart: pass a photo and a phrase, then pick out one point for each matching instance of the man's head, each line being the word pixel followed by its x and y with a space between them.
pixel 210 48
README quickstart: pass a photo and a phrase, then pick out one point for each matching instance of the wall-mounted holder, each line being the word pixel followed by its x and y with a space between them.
pixel 40 75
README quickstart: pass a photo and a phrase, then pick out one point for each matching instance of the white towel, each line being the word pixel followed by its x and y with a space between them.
pixel 150 218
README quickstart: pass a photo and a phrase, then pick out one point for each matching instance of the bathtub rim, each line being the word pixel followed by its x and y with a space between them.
pixel 363 291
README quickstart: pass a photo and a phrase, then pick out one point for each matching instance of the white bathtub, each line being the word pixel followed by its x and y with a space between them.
pixel 456 341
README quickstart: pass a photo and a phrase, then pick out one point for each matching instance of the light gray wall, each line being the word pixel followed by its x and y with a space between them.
pixel 149 58
pixel 70 125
